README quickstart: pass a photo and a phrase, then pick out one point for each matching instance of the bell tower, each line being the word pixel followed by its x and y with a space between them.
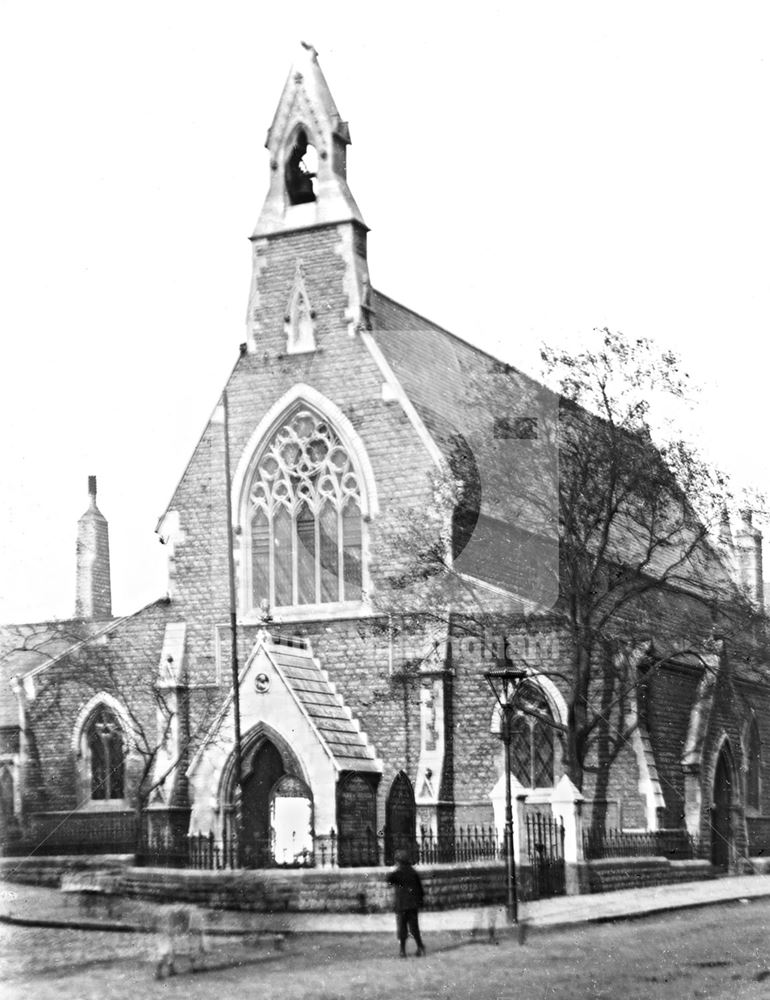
pixel 308 207
pixel 308 155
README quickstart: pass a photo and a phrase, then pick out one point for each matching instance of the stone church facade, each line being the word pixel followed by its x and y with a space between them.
pixel 355 736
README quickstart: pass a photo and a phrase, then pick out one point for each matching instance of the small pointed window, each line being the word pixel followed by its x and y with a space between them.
pixel 300 170
pixel 299 325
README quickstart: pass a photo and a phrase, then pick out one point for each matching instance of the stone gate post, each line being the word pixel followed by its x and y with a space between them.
pixel 567 804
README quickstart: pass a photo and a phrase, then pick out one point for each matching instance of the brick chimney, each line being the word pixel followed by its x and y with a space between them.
pixel 748 556
pixel 93 598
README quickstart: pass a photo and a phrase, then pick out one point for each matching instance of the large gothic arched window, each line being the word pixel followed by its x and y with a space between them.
pixel 304 510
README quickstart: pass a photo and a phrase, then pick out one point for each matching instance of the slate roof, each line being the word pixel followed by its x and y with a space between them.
pixel 458 389
pixel 455 388
pixel 29 648
pixel 26 647
pixel 323 705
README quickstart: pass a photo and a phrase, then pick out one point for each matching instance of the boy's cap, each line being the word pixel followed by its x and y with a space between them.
pixel 402 857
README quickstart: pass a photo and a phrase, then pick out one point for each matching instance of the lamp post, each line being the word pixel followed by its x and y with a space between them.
pixel 505 685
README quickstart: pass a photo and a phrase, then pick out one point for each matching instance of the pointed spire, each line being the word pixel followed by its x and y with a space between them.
pixel 307 142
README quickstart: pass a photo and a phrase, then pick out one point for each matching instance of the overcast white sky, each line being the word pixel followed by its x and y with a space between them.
pixel 529 172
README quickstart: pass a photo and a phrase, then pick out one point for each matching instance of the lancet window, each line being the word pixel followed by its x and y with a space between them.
pixel 305 518
pixel 104 753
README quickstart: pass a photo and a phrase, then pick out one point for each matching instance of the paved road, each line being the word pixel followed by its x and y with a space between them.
pixel 720 953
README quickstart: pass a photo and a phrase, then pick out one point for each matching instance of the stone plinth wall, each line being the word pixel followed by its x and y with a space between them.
pixel 637 873
pixel 48 871
pixel 342 890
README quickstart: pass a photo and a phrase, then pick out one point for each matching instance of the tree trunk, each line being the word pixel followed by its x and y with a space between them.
pixel 577 715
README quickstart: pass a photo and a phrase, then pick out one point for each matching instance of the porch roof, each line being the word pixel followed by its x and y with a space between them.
pixel 319 699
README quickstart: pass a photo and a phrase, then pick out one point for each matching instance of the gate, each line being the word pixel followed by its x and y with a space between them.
pixel 545 849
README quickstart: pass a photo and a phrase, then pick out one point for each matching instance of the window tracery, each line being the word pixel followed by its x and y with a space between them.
pixel 103 757
pixel 304 507
pixel 532 738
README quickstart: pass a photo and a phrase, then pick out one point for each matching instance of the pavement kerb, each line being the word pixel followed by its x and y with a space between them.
pixel 541 916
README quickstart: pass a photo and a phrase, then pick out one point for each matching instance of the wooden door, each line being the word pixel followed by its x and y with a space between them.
pixel 721 827
pixel 400 819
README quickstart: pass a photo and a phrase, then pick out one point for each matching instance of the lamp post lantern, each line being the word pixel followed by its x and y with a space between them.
pixel 505 686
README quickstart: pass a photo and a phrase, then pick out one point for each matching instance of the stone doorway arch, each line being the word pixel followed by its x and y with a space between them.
pixel 265 768
pixel 271 775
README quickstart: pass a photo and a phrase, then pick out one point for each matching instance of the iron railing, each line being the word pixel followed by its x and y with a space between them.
pixel 74 833
pixel 470 843
pixel 675 844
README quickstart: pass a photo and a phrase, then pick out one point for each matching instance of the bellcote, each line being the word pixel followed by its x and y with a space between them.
pixel 308 143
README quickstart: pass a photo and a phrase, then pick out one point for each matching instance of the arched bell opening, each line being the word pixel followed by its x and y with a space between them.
pixel 300 169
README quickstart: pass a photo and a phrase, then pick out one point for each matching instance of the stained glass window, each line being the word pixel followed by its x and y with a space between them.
pixel 104 739
pixel 305 518
pixel 532 739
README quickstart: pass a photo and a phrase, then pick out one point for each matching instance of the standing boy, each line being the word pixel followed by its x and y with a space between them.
pixel 409 896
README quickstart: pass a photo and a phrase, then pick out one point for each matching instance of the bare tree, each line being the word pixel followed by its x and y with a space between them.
pixel 601 527
pixel 163 722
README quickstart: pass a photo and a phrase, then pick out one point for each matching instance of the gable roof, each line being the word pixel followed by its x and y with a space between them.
pixel 462 394
pixel 28 649
pixel 323 706
pixel 316 696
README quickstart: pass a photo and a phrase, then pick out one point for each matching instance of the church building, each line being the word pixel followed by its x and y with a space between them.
pixel 361 721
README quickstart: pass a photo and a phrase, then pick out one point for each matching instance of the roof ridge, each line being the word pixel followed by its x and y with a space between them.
pixel 455 336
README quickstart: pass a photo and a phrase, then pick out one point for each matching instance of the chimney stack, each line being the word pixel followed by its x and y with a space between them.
pixel 748 553
pixel 93 598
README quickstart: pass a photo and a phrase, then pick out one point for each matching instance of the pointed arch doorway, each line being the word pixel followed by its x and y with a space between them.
pixel 721 810
pixel 266 767
pixel 276 808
